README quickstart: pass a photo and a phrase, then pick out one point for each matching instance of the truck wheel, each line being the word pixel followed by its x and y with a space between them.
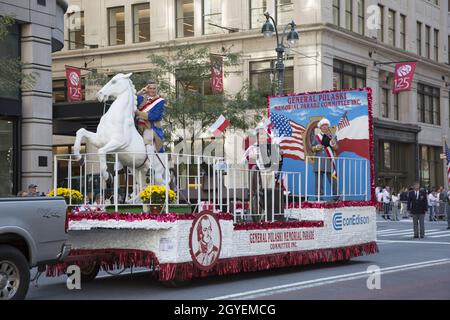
pixel 89 272
pixel 14 274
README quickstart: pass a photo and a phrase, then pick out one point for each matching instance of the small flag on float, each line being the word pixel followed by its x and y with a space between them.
pixel 219 126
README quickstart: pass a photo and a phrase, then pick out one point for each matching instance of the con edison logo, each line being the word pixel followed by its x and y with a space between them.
pixel 337 221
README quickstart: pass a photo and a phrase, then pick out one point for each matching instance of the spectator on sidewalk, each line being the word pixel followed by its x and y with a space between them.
pixel 443 202
pixel 386 202
pixel 448 210
pixel 417 205
pixel 380 199
pixel 432 205
pixel 395 206
pixel 404 203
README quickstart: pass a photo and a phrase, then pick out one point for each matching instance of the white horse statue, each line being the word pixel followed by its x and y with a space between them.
pixel 117 132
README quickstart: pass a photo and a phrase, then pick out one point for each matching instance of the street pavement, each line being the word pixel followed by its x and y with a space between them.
pixel 409 269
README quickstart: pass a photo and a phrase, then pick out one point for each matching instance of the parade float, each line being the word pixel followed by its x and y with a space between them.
pixel 198 215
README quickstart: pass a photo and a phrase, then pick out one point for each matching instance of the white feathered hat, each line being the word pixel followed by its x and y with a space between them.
pixel 322 122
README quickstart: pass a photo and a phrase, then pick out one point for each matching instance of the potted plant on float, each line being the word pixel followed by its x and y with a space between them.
pixel 71 196
pixel 154 198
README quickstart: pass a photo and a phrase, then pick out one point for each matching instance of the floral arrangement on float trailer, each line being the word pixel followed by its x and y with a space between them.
pixel 77 197
pixel 156 195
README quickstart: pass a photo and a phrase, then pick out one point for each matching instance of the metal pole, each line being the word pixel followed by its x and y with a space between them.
pixel 70 178
pixel 55 175
pixel 116 184
pixel 199 196
pixel 280 69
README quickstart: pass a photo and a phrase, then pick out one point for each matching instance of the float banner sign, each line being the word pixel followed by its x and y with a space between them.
pixel 73 76
pixel 295 119
pixel 403 76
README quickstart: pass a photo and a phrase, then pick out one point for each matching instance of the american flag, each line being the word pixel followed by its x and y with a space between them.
pixel 292 133
pixel 447 154
pixel 343 122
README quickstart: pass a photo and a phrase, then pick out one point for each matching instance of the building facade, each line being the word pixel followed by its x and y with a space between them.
pixel 341 42
pixel 26 115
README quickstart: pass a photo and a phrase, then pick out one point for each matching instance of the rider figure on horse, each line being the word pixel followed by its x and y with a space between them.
pixel 150 113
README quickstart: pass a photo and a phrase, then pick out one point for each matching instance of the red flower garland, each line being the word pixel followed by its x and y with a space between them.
pixel 130 217
pixel 278 225
pixel 113 259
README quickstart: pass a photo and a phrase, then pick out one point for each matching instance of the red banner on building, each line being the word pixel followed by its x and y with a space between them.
pixel 73 76
pixel 403 76
pixel 216 74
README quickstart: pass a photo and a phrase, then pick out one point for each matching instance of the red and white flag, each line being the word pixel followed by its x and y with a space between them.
pixel 216 74
pixel 403 76
pixel 73 77
pixel 355 137
pixel 219 126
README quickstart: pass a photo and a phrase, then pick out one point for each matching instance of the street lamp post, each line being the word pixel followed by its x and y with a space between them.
pixel 292 37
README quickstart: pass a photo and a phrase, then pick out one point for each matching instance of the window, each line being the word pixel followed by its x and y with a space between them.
pixel 403 32
pixel 203 88
pixel 385 103
pixel 284 11
pixel 396 108
pixel 263 77
pixel 391 28
pixel 60 90
pixel 361 19
pixel 381 30
pixel 212 16
pixel 257 10
pixel 185 18
pixel 349 14
pixel 348 76
pixel 141 22
pixel 116 26
pixel 430 166
pixel 336 12
pixel 427 41
pixel 387 155
pixel 419 38
pixel 436 44
pixel 76 30
pixel 7 157
pixel 428 108
pixel 10 49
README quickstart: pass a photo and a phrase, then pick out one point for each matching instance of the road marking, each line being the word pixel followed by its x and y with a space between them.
pixel 401 232
pixel 441 236
pixel 328 280
pixel 444 233
pixel 386 230
pixel 412 241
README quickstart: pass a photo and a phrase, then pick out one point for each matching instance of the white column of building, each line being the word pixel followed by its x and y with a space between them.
pixel 37 127
pixel 162 16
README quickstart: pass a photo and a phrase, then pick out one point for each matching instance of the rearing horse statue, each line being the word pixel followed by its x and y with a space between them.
pixel 117 132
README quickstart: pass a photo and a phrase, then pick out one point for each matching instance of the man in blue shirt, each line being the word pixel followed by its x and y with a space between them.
pixel 150 113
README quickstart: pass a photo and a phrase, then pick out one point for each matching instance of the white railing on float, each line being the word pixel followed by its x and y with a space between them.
pixel 352 181
pixel 205 182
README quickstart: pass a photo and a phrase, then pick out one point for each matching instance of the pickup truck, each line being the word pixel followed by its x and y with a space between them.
pixel 33 233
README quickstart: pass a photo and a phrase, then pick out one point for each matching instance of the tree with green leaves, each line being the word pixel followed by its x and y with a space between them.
pixel 11 76
pixel 184 75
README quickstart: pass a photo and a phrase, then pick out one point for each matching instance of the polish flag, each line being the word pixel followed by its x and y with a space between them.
pixel 219 126
pixel 355 138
